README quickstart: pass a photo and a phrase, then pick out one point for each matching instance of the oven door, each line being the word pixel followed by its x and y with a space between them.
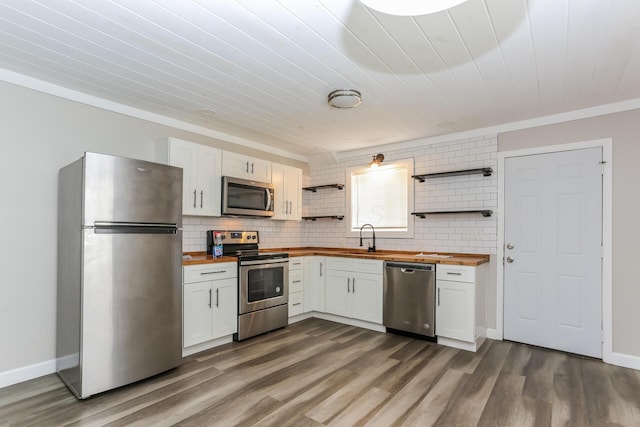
pixel 263 284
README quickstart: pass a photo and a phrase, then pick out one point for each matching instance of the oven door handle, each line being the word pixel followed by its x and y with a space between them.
pixel 274 261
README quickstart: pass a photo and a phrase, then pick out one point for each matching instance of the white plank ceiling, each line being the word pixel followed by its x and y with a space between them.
pixel 265 66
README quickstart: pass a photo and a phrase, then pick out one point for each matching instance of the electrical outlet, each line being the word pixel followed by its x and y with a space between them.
pixel 472 233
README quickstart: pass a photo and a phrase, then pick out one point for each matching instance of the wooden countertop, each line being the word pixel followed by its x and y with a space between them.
pixel 384 255
pixel 202 258
pixel 402 256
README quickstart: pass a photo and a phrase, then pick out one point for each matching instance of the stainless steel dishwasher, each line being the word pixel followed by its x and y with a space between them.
pixel 409 297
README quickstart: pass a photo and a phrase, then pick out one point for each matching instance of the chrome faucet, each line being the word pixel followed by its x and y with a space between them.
pixel 371 248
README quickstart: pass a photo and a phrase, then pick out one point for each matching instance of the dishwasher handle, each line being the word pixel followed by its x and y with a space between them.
pixel 410 267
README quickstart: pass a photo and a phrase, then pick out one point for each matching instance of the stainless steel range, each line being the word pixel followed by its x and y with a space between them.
pixel 263 278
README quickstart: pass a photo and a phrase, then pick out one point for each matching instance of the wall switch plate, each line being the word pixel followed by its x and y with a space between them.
pixel 472 233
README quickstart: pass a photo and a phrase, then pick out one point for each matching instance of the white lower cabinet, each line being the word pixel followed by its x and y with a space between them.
pixel 315 272
pixel 296 286
pixel 210 303
pixel 353 288
pixel 460 305
pixel 455 310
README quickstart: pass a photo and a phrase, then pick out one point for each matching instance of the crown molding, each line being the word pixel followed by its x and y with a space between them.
pixel 18 79
pixel 584 113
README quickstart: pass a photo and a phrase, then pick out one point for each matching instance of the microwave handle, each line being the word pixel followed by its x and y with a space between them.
pixel 268 194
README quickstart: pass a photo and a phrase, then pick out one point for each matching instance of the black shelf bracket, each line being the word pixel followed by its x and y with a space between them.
pixel 484 212
pixel 314 189
pixel 483 171
pixel 313 218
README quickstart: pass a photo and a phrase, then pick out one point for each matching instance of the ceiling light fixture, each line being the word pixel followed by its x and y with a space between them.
pixel 344 98
pixel 410 7
pixel 377 159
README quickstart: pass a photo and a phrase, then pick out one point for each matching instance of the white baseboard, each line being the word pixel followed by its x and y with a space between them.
pixel 624 360
pixel 493 334
pixel 26 373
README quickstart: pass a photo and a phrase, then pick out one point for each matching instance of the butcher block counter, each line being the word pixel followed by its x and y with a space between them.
pixel 196 258
pixel 403 256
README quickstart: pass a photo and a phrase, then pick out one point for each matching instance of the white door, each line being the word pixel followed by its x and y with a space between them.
pixel 553 249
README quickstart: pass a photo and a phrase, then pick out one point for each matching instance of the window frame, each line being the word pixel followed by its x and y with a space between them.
pixel 388 234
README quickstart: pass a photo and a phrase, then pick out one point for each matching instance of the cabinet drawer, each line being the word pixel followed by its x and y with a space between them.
pixel 295 303
pixel 366 266
pixel 295 263
pixel 456 273
pixel 295 281
pixel 354 265
pixel 205 272
pixel 334 263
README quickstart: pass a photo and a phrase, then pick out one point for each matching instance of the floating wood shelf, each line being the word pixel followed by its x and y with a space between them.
pixel 483 171
pixel 484 212
pixel 314 189
pixel 313 218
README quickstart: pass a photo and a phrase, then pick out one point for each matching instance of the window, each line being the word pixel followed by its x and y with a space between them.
pixel 382 197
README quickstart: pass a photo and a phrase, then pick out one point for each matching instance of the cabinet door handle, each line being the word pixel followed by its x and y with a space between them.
pixel 353 285
pixel 450 273
pixel 297 303
pixel 194 199
pixel 438 297
pixel 348 283
pixel 218 297
pixel 201 198
pixel 247 167
pixel 209 298
pixel 252 168
pixel 296 281
pixel 320 269
pixel 212 272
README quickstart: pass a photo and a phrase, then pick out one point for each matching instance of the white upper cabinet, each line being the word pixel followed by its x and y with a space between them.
pixel 246 167
pixel 287 181
pixel 201 183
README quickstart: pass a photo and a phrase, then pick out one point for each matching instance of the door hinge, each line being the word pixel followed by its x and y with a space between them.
pixel 602 165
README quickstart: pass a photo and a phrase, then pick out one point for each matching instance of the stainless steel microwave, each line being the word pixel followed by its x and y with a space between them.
pixel 246 198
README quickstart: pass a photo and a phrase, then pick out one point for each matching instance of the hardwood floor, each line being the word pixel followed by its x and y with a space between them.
pixel 317 372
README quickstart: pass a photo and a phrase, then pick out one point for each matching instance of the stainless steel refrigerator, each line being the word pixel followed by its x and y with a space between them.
pixel 119 313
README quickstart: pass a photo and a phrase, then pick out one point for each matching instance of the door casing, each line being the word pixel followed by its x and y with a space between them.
pixel 607 191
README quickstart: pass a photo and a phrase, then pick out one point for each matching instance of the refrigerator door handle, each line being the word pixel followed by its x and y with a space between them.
pixel 109 227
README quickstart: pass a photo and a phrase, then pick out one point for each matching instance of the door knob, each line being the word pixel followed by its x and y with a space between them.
pixel 509 259
pixel 509 245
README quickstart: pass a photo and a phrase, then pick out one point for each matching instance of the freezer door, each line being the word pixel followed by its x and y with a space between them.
pixel 131 306
pixel 119 189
